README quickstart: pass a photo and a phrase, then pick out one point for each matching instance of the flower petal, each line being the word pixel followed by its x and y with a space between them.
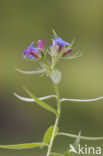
pixel 26 52
pixel 61 42
pixel 35 50
pixel 41 44
pixel 55 42
pixel 31 46
pixel 51 46
pixel 31 57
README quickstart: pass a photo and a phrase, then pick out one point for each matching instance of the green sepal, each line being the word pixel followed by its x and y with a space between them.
pixel 64 50
pixel 42 54
pixel 48 134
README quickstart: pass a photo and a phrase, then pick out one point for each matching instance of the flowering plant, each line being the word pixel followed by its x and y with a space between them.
pixel 59 49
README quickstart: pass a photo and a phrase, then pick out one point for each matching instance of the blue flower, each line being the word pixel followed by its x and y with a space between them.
pixel 32 52
pixel 61 45
pixel 61 42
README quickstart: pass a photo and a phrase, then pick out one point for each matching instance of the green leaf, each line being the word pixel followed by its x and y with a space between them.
pixel 22 146
pixel 77 55
pixel 55 33
pixel 32 100
pixel 48 134
pixel 67 153
pixel 77 141
pixel 30 72
pixel 72 150
pixel 72 42
pixel 41 103
pixel 56 75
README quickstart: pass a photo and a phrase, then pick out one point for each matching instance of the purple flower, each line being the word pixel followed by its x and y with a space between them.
pixel 61 42
pixel 55 42
pixel 67 51
pixel 32 52
pixel 41 45
pixel 61 45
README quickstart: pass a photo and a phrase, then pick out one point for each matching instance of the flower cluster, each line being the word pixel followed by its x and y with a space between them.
pixel 34 53
pixel 61 45
pixel 40 51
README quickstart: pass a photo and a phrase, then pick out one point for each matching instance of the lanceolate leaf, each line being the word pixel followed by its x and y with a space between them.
pixel 72 42
pixel 48 134
pixel 31 72
pixel 73 148
pixel 77 141
pixel 55 33
pixel 80 137
pixel 56 76
pixel 77 55
pixel 82 100
pixel 67 153
pixel 41 103
pixel 31 99
pixel 22 146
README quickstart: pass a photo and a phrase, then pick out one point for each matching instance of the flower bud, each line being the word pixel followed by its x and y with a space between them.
pixel 67 51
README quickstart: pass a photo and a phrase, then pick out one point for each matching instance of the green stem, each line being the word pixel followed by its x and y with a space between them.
pixel 58 98
pixel 53 62
pixel 56 121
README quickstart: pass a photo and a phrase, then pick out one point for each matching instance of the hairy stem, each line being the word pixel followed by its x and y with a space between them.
pixel 56 121
pixel 58 98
